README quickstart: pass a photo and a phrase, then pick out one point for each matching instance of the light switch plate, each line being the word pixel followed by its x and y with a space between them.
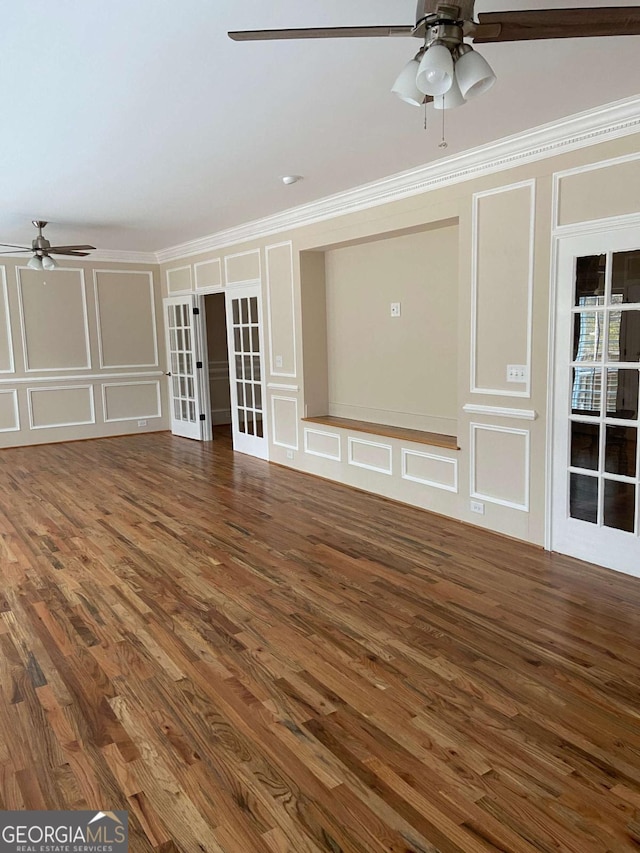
pixel 477 506
pixel 278 361
pixel 517 373
pixel 395 309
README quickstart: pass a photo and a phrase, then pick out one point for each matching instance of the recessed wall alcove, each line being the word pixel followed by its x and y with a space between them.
pixel 362 364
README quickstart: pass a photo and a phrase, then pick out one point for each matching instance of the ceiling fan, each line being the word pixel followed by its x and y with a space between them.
pixel 42 250
pixel 446 69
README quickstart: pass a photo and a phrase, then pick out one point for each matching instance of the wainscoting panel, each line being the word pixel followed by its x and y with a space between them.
pixel 7 364
pixel 500 465
pixel 179 280
pixel 243 266
pixel 502 286
pixel 284 416
pixel 125 313
pixel 281 312
pixel 430 469
pixel 208 274
pixel 53 318
pixel 72 405
pixel 126 401
pixel 370 455
pixel 324 444
pixel 9 415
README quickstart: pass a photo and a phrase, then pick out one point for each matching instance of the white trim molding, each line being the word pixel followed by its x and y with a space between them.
pixel 595 224
pixel 152 308
pixel 89 388
pixel 16 411
pixel 474 387
pixel 612 121
pixel 208 288
pixel 168 280
pixel 445 486
pixel 92 377
pixel 274 421
pixel 335 458
pixel 474 493
pixel 241 282
pixel 352 442
pixel 7 316
pixel 158 413
pixel 501 412
pixel 272 367
pixel 280 386
pixel 85 314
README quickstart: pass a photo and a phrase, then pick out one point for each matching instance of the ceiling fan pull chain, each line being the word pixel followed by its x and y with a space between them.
pixel 443 143
pixel 425 115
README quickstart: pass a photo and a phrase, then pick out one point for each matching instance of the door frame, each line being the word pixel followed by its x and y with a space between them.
pixel 560 236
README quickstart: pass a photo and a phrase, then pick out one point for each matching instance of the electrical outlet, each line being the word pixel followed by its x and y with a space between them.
pixel 142 423
pixel 289 454
pixel 395 309
pixel 278 361
pixel 477 506
pixel 516 373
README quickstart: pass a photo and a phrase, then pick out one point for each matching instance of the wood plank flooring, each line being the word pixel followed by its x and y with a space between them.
pixel 250 660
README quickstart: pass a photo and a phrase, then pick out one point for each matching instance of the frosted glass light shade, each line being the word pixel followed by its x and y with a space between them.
pixel 474 74
pixel 405 86
pixel 48 263
pixel 451 99
pixel 35 263
pixel 435 73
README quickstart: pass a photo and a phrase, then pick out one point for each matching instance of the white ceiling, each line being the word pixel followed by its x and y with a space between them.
pixel 140 125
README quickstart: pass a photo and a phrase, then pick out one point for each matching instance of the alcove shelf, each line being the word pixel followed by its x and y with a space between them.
pixel 435 439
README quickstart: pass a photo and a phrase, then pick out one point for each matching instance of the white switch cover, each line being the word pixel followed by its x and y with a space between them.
pixel 395 309
pixel 278 361
pixel 517 373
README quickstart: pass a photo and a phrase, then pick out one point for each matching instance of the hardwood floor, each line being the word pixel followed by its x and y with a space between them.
pixel 250 660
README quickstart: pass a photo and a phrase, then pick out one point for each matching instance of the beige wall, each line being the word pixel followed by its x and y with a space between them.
pixel 81 352
pixel 502 296
pixel 401 370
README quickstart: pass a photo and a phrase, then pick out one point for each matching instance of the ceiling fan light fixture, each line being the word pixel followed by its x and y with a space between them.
pixel 35 263
pixel 48 263
pixel 451 99
pixel 473 73
pixel 435 72
pixel 405 86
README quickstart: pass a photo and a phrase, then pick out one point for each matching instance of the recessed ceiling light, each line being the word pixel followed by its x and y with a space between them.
pixel 291 179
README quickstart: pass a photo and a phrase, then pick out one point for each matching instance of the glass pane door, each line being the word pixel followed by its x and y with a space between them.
pixel 601 355
pixel 182 356
pixel 244 329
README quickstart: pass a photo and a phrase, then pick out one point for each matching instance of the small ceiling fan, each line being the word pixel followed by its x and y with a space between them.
pixel 42 250
pixel 447 70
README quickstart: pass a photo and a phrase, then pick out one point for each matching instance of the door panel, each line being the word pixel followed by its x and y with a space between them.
pixel 596 465
pixel 184 356
pixel 246 371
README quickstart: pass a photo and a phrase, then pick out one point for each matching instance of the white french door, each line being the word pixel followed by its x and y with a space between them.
pixel 596 473
pixel 185 361
pixel 246 370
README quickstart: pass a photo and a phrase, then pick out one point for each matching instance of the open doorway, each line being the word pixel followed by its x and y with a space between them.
pixel 218 355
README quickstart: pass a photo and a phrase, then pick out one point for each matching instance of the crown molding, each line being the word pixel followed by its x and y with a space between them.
pixel 600 124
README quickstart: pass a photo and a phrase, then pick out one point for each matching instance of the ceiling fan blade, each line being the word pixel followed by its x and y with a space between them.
pixel 55 251
pixel 13 251
pixel 558 23
pixel 62 249
pixel 321 33
pixel 13 246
